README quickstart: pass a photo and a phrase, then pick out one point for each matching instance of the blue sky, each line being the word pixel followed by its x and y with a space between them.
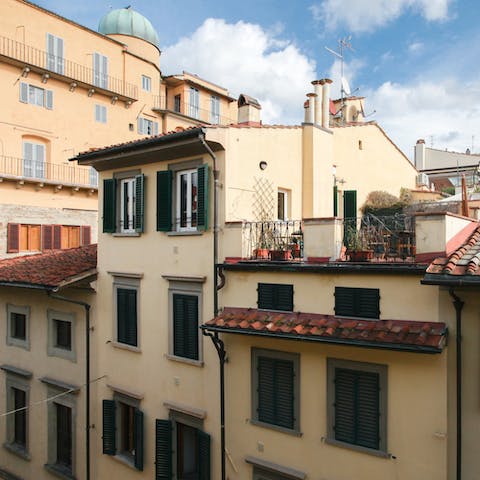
pixel 416 61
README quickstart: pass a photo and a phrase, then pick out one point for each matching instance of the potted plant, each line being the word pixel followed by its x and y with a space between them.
pixel 281 252
pixel 262 252
pixel 357 249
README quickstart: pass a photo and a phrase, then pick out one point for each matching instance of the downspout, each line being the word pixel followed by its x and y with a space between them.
pixel 458 304
pixel 87 375
pixel 217 342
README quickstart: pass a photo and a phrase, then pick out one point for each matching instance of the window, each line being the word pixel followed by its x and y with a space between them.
pixel 194 107
pixel 101 113
pixel 33 160
pixel 36 96
pixel 183 192
pixel 357 302
pixel 17 397
pixel 126 310
pixel 276 389
pixel 275 296
pixel 177 103
pixel 61 431
pixel 189 459
pixel 357 401
pixel 61 338
pixel 283 210
pixel 146 83
pixel 147 127
pixel 18 318
pixel 100 70
pixel 93 177
pixel 55 60
pixel 123 203
pixel 123 429
pixel 185 305
pixel 214 109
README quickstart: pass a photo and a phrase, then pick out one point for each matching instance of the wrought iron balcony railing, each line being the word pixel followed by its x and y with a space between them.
pixel 22 168
pixel 190 110
pixel 273 240
pixel 27 55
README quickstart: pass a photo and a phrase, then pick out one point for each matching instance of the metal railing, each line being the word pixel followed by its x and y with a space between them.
pixel 48 172
pixel 28 55
pixel 190 110
pixel 273 240
pixel 380 238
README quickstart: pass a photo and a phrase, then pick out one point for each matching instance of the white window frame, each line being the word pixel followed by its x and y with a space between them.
pixel 214 109
pixel 17 342
pixel 53 350
pixel 34 159
pixel 55 54
pixel 100 70
pixel 194 104
pixel 100 113
pixel 33 95
pixel 147 126
pixel 191 173
pixel 286 204
pixel 130 185
pixel 146 83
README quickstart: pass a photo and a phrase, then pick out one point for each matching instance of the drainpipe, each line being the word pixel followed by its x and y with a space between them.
pixel 458 304
pixel 217 342
pixel 87 375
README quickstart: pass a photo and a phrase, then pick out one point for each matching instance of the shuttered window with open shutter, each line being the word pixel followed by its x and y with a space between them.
pixel 86 235
pixel 357 302
pixel 275 296
pixel 202 207
pixel 127 316
pixel 163 449
pixel 164 201
pixel 138 439
pixel 185 326
pixel 276 383
pixel 109 205
pixel 13 238
pixel 139 203
pixel 203 455
pixel 109 434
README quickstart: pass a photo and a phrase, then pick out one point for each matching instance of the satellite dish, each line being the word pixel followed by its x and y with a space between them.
pixel 345 86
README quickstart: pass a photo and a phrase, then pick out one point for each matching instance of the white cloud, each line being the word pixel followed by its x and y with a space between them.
pixel 415 47
pixel 367 15
pixel 247 59
pixel 439 112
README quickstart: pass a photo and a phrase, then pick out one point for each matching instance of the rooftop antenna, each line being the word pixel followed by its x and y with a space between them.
pixel 343 43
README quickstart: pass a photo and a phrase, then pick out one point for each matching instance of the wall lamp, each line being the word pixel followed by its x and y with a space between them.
pixel 128 103
pixel 263 165
pixel 114 100
pixel 91 92
pixel 25 72
pixel 73 86
pixel 45 77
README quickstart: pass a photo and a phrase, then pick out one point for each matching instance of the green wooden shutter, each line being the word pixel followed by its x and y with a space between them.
pixel 163 450
pixel 357 302
pixel 185 326
pixel 164 201
pixel 357 407
pixel 138 439
pixel 276 392
pixel 139 203
pixel 202 215
pixel 275 296
pixel 335 201
pixel 109 205
pixel 350 204
pixel 127 316
pixel 109 447
pixel 203 455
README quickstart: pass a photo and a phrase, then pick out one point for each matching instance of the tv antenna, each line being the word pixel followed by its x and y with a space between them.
pixel 343 44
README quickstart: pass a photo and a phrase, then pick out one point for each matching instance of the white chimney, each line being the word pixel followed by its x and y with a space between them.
pixel 326 103
pixel 317 85
pixel 248 110
pixel 311 107
pixel 420 154
pixel 307 111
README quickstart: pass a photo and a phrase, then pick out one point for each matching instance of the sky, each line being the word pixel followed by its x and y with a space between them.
pixel 415 61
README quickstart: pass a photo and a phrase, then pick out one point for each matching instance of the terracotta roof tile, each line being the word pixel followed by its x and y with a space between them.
pixel 48 270
pixel 397 334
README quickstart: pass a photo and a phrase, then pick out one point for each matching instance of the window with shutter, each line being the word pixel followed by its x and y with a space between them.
pixel 86 235
pixel 185 326
pixel 357 396
pixel 275 296
pixel 108 436
pixel 55 60
pixel 127 316
pixel 61 335
pixel 64 436
pixel 17 399
pixel 357 302
pixel 36 96
pixel 13 238
pixel 100 70
pixel 18 320
pixel 163 450
pixel 275 381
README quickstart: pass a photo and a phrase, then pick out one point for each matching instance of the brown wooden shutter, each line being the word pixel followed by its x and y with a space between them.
pixel 86 235
pixel 57 237
pixel 13 237
pixel 47 237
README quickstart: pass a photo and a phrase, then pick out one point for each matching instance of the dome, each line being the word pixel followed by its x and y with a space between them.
pixel 126 21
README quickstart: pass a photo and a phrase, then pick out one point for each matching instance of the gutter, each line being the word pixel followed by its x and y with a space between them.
pixel 350 343
pixel 446 280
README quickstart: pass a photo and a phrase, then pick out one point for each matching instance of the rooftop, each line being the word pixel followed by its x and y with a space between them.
pixel 49 270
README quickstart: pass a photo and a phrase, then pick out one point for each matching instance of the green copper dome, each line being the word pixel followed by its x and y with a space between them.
pixel 126 21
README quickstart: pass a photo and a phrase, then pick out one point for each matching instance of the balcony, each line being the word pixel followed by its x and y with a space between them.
pixel 22 55
pixel 40 172
pixel 190 110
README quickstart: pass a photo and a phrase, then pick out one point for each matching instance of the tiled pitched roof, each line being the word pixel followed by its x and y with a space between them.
pixel 427 337
pixel 49 270
pixel 464 261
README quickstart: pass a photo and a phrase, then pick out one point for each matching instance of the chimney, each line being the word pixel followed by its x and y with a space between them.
pixel 326 103
pixel 317 85
pixel 311 107
pixel 307 111
pixel 248 110
pixel 420 154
